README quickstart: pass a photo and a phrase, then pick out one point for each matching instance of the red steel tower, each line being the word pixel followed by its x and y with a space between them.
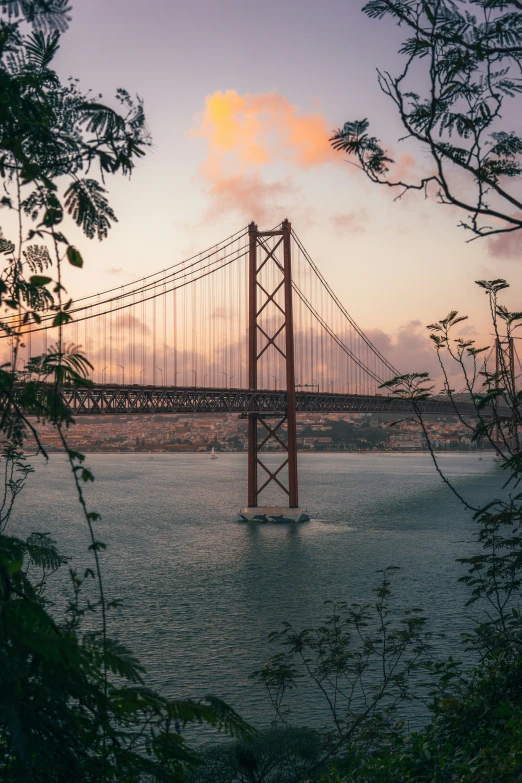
pixel 271 328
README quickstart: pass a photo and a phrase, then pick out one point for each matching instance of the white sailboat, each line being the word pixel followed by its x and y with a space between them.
pixel 213 454
pixel 150 456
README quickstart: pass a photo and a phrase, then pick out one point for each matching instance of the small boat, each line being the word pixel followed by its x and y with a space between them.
pixel 150 456
pixel 213 454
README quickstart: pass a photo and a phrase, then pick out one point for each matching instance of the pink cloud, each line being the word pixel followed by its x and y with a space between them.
pixel 403 167
pixel 250 195
pixel 352 222
pixel 411 350
pixel 508 245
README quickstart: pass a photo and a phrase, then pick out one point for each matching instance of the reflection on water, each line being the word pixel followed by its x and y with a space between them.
pixel 201 591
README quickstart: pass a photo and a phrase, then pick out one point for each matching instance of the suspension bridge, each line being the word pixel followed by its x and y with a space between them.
pixel 249 326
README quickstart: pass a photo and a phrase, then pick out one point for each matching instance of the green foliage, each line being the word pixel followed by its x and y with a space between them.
pixel 474 735
pixel 73 701
pixel 60 718
pixel 42 14
pixel 276 755
pixel 360 660
pixel 469 54
pixel 86 202
pixel 475 729
pixel 74 256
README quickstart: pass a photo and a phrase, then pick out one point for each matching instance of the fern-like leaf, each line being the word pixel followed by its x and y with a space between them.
pixel 86 202
pixel 40 49
pixel 43 14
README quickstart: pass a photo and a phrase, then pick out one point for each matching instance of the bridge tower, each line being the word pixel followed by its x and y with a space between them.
pixel 271 248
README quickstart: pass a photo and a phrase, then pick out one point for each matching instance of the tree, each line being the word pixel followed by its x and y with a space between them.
pixel 276 755
pixel 476 709
pixel 73 703
pixel 360 661
pixel 471 61
pixel 469 55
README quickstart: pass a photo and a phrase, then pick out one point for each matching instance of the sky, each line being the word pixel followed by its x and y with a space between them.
pixel 240 98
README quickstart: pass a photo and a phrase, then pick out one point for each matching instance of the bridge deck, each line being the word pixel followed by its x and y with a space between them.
pixel 114 400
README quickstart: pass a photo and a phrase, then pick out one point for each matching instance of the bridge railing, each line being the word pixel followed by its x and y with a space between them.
pixel 115 399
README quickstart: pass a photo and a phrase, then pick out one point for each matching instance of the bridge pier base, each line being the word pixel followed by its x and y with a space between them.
pixel 274 514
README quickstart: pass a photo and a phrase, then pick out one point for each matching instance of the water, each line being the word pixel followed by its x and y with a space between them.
pixel 201 592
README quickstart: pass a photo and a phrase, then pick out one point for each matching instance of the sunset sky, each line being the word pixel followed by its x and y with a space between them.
pixel 240 99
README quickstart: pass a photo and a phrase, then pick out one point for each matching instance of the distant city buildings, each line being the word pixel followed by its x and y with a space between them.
pixel 315 432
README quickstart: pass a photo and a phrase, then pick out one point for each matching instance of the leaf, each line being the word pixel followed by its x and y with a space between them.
pixel 37 258
pixel 61 318
pixel 39 280
pixel 43 552
pixel 97 546
pixel 6 246
pixel 86 202
pixel 52 217
pixel 41 49
pixel 74 256
pixel 14 566
pixel 102 120
pixel 429 14
pixel 43 14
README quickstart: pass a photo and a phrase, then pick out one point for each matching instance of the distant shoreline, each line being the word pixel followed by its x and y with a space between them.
pixel 307 452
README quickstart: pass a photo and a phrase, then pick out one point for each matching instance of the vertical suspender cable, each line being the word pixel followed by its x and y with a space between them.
pixel 175 337
pixel 154 359
pixel 164 378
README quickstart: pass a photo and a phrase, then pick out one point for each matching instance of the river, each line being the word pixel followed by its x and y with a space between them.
pixel 201 591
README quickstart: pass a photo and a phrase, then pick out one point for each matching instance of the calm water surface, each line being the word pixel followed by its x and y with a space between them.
pixel 201 591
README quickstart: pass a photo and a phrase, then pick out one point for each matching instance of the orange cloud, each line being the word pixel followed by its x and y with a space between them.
pixel 246 134
pixel 403 167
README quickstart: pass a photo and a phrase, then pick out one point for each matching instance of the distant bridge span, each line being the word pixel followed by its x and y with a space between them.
pixel 109 400
pixel 254 320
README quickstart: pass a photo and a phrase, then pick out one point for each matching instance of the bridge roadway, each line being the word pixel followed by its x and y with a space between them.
pixel 114 400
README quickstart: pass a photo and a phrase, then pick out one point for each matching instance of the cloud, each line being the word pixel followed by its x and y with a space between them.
pixel 467 330
pixel 507 245
pixel 411 351
pixel 402 168
pixel 129 321
pixel 259 129
pixel 248 133
pixel 353 222
pixel 250 195
pixel 114 270
pixel 223 314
